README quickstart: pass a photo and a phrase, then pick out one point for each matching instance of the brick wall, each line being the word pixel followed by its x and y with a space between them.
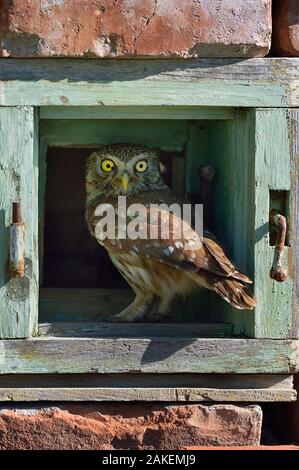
pixel 143 28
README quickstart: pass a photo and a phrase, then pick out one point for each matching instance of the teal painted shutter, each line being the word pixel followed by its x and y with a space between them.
pixel 272 172
pixel 18 181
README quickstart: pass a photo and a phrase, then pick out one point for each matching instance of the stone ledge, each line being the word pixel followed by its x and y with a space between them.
pixel 128 426
pixel 139 28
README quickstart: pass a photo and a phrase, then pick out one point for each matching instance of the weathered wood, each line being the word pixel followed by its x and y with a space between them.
pixel 168 136
pixel 271 82
pixel 18 182
pixel 96 70
pixel 147 394
pixel 227 147
pixel 42 174
pixel 273 315
pixel 178 175
pixel 87 305
pixel 148 355
pixel 294 217
pixel 238 217
pixel 196 154
pixel 135 330
pixel 255 388
pixel 136 112
pixel 17 250
pixel 95 305
pixel 217 381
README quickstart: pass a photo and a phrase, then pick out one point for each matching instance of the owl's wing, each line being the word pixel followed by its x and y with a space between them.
pixel 189 252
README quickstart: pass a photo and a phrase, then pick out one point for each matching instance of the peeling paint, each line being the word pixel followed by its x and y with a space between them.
pixel 2 94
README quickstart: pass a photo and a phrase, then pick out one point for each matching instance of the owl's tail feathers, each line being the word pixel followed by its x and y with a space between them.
pixel 236 293
pixel 231 290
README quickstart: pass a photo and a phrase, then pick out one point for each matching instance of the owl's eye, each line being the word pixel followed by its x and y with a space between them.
pixel 107 166
pixel 141 166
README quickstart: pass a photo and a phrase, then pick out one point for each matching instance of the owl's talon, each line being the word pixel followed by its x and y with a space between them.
pixel 119 318
pixel 114 319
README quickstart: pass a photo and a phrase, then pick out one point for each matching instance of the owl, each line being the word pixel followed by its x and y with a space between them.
pixel 157 269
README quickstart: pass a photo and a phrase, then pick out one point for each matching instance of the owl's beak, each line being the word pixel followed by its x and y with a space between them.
pixel 125 181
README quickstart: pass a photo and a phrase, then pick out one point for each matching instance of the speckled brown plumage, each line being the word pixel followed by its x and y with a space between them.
pixel 157 270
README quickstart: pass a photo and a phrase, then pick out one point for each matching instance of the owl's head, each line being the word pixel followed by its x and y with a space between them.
pixel 123 169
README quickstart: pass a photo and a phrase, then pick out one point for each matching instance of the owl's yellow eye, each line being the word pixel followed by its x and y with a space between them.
pixel 141 166
pixel 107 166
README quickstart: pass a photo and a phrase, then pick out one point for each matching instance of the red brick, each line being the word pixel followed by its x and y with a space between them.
pixel 242 448
pixel 129 426
pixel 143 28
pixel 286 27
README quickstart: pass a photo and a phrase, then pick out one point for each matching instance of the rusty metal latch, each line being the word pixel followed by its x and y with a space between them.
pixel 277 272
pixel 17 243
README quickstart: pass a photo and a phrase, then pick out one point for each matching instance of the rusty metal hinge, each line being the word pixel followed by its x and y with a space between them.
pixel 278 272
pixel 17 242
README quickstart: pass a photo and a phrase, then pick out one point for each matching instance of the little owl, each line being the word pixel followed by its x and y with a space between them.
pixel 156 269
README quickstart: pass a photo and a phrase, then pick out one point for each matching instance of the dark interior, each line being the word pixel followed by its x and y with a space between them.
pixel 72 258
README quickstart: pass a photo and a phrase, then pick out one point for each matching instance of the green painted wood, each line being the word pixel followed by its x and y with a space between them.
pixel 196 154
pixel 294 217
pixel 42 174
pixel 83 310
pixel 230 153
pixel 246 83
pixel 135 112
pixel 18 181
pixel 81 305
pixel 178 174
pixel 273 316
pixel 169 136
pixel 135 330
pixel 148 355
pixel 225 145
pixel 241 215
pixel 222 153
pixel 266 70
pixel 134 93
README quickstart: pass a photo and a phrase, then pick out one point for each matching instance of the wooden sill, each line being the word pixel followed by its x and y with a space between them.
pixel 144 355
pixel 245 388
pixel 135 330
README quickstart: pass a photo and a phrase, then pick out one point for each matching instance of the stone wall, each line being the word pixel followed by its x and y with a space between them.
pixel 142 28
pixel 128 426
pixel 148 28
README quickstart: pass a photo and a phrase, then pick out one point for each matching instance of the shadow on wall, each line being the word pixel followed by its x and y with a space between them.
pixel 108 70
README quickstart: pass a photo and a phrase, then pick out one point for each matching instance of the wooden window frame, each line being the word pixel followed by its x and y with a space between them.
pixel 37 89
